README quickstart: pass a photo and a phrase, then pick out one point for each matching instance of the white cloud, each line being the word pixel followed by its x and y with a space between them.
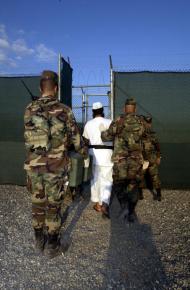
pixel 11 62
pixel 45 54
pixel 4 43
pixel 14 52
pixel 3 33
pixel 4 59
pixel 18 57
pixel 20 47
pixel 21 32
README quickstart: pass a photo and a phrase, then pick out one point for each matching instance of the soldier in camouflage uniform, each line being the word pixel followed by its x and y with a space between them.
pixel 50 129
pixel 126 132
pixel 151 153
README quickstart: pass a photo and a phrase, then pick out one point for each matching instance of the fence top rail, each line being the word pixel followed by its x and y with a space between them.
pixel 92 106
pixel 133 71
pixel 97 95
pixel 19 75
pixel 92 86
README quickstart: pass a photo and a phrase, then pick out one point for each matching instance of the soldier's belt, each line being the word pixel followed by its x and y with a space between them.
pixel 101 147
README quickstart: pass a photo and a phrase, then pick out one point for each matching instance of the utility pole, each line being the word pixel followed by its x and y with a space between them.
pixel 59 77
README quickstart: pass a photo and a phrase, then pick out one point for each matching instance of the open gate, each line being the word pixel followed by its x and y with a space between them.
pixel 84 96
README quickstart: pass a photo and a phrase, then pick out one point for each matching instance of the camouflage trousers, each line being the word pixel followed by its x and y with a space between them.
pixel 47 193
pixel 151 178
pixel 129 168
pixel 127 175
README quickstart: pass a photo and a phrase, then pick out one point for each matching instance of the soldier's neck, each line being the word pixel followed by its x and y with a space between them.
pixel 48 94
pixel 130 113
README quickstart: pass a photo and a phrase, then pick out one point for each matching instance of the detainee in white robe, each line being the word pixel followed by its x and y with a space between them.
pixel 101 182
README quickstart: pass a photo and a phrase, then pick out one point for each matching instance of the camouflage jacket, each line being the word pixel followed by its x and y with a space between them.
pixel 151 145
pixel 126 132
pixel 50 130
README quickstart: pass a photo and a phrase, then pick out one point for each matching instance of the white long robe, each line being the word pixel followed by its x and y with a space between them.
pixel 101 183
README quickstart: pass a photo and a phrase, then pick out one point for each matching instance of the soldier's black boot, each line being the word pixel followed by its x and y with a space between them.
pixel 159 196
pixel 131 213
pixel 141 196
pixel 154 194
pixel 40 239
pixel 131 217
pixel 52 247
pixel 105 210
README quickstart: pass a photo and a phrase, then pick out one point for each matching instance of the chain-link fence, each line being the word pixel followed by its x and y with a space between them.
pixel 104 99
pixel 82 102
pixel 77 107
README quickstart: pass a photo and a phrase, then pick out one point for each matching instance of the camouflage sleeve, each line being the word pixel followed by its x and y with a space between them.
pixel 26 117
pixel 76 138
pixel 110 133
pixel 156 145
pixel 86 141
pixel 85 136
pixel 27 125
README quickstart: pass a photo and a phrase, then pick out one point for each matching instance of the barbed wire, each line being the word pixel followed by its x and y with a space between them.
pixel 19 75
pixel 135 70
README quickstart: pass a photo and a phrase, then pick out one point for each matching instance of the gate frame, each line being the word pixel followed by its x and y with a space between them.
pixel 85 97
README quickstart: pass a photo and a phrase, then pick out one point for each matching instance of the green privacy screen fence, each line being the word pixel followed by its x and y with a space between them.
pixel 13 100
pixel 166 95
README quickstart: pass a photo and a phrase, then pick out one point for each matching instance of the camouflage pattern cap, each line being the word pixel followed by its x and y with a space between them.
pixel 130 101
pixel 49 75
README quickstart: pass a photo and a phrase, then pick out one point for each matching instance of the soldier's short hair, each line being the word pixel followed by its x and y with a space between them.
pixel 48 80
pixel 130 101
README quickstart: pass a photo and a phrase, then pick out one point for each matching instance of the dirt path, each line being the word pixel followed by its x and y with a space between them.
pixel 151 254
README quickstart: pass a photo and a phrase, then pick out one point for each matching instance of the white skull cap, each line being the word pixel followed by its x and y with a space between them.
pixel 97 106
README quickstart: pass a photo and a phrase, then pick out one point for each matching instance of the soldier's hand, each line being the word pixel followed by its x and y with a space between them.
pixel 158 160
pixel 145 164
pixel 102 128
pixel 86 162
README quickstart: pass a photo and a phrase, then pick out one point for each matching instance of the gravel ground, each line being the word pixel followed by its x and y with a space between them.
pixel 152 253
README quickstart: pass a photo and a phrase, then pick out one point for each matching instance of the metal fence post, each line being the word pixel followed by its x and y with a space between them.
pixel 59 77
pixel 112 94
pixel 83 106
pixel 86 116
pixel 85 101
pixel 112 88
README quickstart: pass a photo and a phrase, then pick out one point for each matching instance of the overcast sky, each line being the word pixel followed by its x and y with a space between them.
pixel 139 34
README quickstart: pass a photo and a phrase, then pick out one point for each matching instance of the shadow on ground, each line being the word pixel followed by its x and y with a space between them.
pixel 133 261
pixel 152 254
pixel 77 206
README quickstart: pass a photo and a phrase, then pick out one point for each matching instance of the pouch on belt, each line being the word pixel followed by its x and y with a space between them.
pixel 77 168
pixel 88 171
pixel 78 174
